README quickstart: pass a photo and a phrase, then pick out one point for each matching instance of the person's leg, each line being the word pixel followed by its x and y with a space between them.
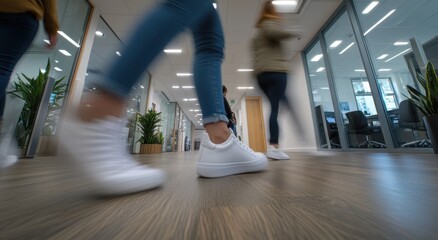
pixel 17 32
pixel 154 32
pixel 221 154
pixel 273 85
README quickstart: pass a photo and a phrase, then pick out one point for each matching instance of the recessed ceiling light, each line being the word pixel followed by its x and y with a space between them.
pixel 382 57
pixel 64 52
pixel 325 88
pixel 47 41
pixel 189 99
pixel 359 70
pixel 316 58
pixel 57 69
pixel 56 61
pixel 245 88
pixel 401 43
pixel 380 21
pixel 99 33
pixel 68 39
pixel 175 86
pixel 118 53
pixel 215 5
pixel 336 43
pixel 345 49
pixel 141 86
pixel 320 69
pixel 312 75
pixel 184 74
pixel 173 51
pixel 285 6
pixel 385 70
pixel 370 7
pixel 188 87
pixel 245 70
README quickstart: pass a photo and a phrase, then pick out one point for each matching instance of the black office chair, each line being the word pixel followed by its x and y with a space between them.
pixel 412 118
pixel 358 124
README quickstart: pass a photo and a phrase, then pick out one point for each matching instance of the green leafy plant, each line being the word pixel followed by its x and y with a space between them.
pixel 149 124
pixel 31 90
pixel 427 102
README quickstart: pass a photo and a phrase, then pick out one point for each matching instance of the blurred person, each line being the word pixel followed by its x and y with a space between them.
pixel 231 123
pixel 90 135
pixel 271 68
pixel 19 22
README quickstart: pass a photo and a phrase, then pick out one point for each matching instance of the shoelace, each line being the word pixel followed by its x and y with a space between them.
pixel 244 146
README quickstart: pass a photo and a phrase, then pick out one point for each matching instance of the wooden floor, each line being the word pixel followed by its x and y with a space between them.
pixel 311 196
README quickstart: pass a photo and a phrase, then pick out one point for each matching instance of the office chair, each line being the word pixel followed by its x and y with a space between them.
pixel 412 118
pixel 358 124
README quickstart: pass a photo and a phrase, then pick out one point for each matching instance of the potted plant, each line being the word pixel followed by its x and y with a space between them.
pixel 428 102
pixel 151 138
pixel 31 90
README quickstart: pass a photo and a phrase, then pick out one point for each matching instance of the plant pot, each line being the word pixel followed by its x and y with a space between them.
pixel 150 148
pixel 431 123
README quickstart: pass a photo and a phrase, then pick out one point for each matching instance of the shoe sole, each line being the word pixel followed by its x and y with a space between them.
pixel 215 170
pixel 277 158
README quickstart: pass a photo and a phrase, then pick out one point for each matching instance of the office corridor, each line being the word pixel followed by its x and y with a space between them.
pixel 311 196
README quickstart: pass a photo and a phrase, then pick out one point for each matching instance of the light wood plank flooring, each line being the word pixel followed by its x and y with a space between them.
pixel 311 196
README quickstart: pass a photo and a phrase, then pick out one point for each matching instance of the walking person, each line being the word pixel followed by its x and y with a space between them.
pixel 96 129
pixel 19 22
pixel 271 68
pixel 231 120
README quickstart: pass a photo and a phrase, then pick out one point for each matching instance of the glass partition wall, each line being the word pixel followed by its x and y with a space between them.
pixel 358 69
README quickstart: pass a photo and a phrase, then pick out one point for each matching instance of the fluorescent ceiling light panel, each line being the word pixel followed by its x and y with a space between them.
pixel 99 33
pixel 401 43
pixel 173 51
pixel 407 50
pixel 57 69
pixel 385 70
pixel 320 69
pixel 141 86
pixel 325 88
pixel 316 58
pixel 345 49
pixel 184 74
pixel 380 21
pixel 284 6
pixel 175 86
pixel 370 7
pixel 215 5
pixel 64 52
pixel 187 87
pixel 56 61
pixel 359 70
pixel 189 99
pixel 118 53
pixel 245 70
pixel 335 44
pixel 383 56
pixel 312 75
pixel 245 88
pixel 68 39
pixel 46 41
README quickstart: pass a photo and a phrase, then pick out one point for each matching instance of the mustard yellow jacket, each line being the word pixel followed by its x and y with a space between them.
pixel 42 9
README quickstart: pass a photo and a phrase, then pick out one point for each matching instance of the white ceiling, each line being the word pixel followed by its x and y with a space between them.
pixel 238 17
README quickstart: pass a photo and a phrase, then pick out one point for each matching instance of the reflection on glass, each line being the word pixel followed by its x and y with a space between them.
pixel 322 100
pixel 352 85
pixel 389 44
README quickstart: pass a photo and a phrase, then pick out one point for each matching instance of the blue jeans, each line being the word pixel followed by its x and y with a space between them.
pixel 156 30
pixel 274 85
pixel 17 31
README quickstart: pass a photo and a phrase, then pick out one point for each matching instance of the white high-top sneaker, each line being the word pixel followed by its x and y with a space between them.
pixel 228 158
pixel 276 154
pixel 100 155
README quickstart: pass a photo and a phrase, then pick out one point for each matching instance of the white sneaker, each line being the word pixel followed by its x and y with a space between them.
pixel 98 152
pixel 228 158
pixel 276 154
pixel 7 161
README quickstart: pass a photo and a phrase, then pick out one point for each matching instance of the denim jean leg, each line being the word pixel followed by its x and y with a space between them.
pixel 154 32
pixel 209 53
pixel 17 31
